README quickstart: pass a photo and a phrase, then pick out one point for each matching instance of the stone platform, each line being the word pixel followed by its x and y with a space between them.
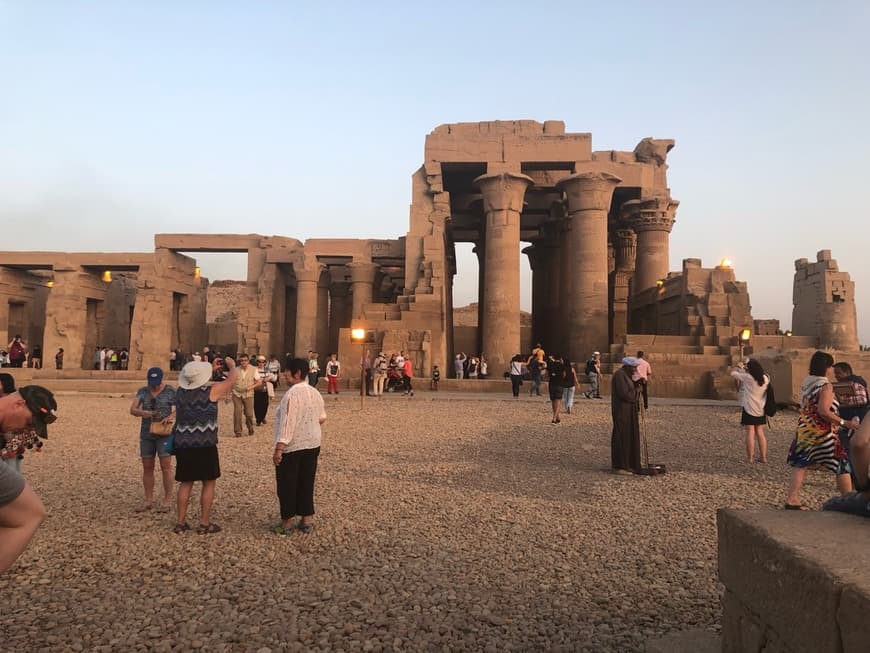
pixel 794 581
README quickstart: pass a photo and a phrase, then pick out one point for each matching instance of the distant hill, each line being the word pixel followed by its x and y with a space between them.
pixel 466 316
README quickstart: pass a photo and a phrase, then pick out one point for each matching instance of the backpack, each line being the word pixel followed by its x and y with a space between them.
pixel 770 406
pixel 590 366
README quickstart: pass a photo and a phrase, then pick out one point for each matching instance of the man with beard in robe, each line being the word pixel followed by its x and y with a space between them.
pixel 625 441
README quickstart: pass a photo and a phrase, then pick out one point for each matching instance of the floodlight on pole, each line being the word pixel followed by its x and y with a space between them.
pixel 743 337
pixel 726 263
pixel 107 276
pixel 358 336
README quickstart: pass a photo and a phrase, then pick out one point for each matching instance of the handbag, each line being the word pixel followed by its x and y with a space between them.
pixel 162 429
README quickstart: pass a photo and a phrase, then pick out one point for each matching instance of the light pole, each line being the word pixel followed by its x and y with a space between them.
pixel 743 337
pixel 358 336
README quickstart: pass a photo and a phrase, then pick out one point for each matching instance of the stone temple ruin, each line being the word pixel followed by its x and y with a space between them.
pixel 597 227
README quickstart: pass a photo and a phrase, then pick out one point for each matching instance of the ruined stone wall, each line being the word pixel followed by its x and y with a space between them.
pixel 824 303
pixel 74 319
pixel 23 296
pixel 120 301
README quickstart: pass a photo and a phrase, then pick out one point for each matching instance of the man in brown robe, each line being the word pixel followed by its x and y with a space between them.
pixel 625 440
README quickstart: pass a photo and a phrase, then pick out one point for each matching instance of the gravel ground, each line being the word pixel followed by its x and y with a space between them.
pixel 453 524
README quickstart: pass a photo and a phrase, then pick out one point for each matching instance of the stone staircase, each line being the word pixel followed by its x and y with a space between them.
pixel 683 366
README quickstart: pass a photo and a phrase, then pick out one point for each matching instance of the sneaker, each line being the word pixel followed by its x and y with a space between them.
pixel 305 528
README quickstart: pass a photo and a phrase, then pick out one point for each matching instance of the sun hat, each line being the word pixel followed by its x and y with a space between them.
pixel 596 353
pixel 261 358
pixel 42 405
pixel 631 361
pixel 155 377
pixel 194 375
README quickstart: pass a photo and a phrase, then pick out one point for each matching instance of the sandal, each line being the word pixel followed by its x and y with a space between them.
pixel 143 508
pixel 280 530
pixel 791 506
pixel 306 528
pixel 205 529
pixel 181 528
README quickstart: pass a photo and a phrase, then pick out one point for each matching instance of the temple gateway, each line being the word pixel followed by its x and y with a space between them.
pixel 595 226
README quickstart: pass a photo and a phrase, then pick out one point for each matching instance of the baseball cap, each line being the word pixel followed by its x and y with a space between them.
pixel 155 376
pixel 42 405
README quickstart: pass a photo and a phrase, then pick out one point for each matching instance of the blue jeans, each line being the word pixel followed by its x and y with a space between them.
pixel 568 397
pixel 536 385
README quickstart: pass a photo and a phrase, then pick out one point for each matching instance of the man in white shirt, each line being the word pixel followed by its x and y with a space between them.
pixel 297 446
pixel 641 377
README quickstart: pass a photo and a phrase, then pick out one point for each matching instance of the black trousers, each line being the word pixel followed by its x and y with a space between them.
pixel 261 405
pixel 294 478
pixel 516 382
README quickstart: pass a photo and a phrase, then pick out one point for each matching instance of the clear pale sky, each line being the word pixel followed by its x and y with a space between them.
pixel 119 120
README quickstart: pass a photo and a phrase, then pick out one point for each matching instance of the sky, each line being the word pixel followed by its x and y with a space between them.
pixel 122 119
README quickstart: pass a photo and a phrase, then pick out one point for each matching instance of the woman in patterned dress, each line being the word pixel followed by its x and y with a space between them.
pixel 195 438
pixel 816 444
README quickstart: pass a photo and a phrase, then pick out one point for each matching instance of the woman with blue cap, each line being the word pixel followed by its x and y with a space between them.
pixel 154 403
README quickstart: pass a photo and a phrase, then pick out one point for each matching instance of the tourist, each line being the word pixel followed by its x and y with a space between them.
pixel 753 390
pixel 274 367
pixel 297 446
pixel 569 384
pixel 436 378
pixel 333 369
pixel 852 403
pixel 58 359
pixel 218 371
pixel 245 382
pixel 642 376
pixel 593 372
pixel 459 365
pixel 313 368
pixel 859 502
pixel 102 358
pixel 380 366
pixel 536 365
pixel 555 383
pixel 31 406
pixel 36 358
pixel 124 358
pixel 173 361
pixel 4 358
pixel 264 391
pixel 111 359
pixel 154 403
pixel 473 362
pixel 17 352
pixel 815 443
pixel 196 437
pixel 516 374
pixel 483 371
pixel 625 439
pixel 21 513
pixel 407 375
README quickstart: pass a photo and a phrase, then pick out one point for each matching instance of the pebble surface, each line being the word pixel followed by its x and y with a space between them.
pixel 450 525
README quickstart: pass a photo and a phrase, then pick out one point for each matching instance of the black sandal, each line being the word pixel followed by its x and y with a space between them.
pixel 205 529
pixel 181 528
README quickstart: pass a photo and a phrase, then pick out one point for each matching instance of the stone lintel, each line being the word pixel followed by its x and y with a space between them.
pixel 207 242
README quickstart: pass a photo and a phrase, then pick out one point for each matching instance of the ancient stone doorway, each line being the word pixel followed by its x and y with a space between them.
pixel 94 323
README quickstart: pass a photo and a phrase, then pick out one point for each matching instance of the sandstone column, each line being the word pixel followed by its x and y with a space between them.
pixel 307 278
pixel 338 296
pixel 480 250
pixel 322 338
pixel 585 243
pixel 544 261
pixel 625 248
pixel 652 220
pixel 362 278
pixel 503 195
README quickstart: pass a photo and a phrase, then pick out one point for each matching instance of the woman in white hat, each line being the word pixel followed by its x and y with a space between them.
pixel 196 436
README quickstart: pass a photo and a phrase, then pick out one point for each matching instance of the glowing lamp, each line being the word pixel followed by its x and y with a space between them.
pixel 107 276
pixel 197 273
pixel 725 263
pixel 744 336
pixel 50 283
pixel 660 283
pixel 357 335
pixel 788 334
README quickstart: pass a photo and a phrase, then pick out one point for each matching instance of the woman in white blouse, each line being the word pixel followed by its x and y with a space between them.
pixel 753 390
pixel 297 446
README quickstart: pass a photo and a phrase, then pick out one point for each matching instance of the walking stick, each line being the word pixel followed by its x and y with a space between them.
pixel 647 469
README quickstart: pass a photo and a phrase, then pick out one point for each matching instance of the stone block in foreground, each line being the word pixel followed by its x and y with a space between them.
pixel 794 581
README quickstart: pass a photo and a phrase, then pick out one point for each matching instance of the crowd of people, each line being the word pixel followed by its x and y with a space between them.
pixel 831 432
pixel 17 354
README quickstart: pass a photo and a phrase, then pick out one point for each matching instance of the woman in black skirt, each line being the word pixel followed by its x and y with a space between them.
pixel 753 390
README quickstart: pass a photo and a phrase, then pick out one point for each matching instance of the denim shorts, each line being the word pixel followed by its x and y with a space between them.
pixel 151 445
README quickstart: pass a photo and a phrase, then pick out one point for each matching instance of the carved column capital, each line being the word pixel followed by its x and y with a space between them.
pixel 625 249
pixel 651 214
pixel 504 191
pixel 362 271
pixel 308 271
pixel 589 191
